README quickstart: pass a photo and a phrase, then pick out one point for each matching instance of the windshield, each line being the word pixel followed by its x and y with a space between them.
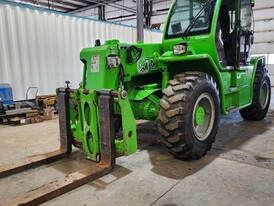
pixel 187 12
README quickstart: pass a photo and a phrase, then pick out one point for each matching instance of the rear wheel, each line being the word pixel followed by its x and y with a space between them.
pixel 189 115
pixel 261 97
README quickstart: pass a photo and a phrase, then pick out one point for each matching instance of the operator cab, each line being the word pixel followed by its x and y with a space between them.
pixel 193 20
pixel 189 18
pixel 232 31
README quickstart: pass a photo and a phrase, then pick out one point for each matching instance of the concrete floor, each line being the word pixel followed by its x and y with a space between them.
pixel 239 170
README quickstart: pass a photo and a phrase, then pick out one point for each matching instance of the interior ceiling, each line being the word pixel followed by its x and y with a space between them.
pixel 69 6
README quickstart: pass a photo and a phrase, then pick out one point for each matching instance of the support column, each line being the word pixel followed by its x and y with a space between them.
pixel 101 12
pixel 140 20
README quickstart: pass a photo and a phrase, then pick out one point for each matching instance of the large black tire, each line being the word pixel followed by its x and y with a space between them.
pixel 261 97
pixel 184 131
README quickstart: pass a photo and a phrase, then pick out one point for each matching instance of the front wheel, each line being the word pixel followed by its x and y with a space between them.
pixel 261 97
pixel 189 115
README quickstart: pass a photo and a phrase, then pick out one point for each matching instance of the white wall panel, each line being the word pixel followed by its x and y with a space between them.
pixel 262 48
pixel 41 48
pixel 264 37
pixel 262 4
pixel 265 26
pixel 154 37
pixel 271 72
pixel 263 14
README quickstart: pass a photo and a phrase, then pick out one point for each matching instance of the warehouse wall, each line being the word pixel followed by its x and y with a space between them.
pixel 270 68
pixel 115 14
pixel 41 48
pixel 264 33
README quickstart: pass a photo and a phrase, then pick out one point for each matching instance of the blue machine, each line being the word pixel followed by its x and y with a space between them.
pixel 6 94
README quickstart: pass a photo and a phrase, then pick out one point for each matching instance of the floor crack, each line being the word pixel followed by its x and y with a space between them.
pixel 166 192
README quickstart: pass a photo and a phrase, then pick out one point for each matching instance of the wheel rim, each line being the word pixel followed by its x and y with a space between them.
pixel 264 95
pixel 203 116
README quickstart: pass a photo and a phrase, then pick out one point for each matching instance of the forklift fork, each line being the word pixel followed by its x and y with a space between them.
pixel 79 178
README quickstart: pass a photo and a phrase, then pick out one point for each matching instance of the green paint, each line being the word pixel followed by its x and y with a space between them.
pixel 89 111
pixel 84 121
pixel 165 79
pixel 200 116
pixel 146 109
pixel 129 145
pixel 138 94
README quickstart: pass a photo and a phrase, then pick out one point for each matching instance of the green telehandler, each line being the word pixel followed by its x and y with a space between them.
pixel 202 67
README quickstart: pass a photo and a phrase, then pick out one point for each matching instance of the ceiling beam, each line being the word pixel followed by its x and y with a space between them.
pixel 65 5
pixel 79 3
pixel 124 7
pixel 91 6
pixel 43 5
pixel 109 3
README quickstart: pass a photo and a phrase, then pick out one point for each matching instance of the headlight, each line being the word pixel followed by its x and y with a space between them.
pixel 179 49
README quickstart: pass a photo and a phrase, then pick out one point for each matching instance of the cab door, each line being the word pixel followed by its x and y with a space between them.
pixel 245 32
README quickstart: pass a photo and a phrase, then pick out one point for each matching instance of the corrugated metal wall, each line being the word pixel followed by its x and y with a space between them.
pixel 264 27
pixel 264 31
pixel 41 48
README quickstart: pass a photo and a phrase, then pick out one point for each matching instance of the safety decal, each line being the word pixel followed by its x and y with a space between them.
pixel 94 64
pixel 144 65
